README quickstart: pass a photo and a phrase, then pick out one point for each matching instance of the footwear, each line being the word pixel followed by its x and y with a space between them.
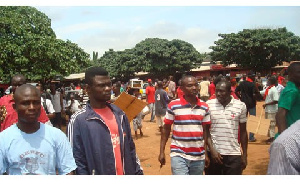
pixel 252 140
pixel 270 140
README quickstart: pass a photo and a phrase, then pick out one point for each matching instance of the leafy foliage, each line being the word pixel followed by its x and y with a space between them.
pixel 153 55
pixel 257 48
pixel 29 46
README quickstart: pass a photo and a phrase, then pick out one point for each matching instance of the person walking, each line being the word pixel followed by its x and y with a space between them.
pixel 100 133
pixel 57 101
pixel 228 117
pixel 29 147
pixel 247 92
pixel 271 97
pixel 204 91
pixel 289 101
pixel 190 118
pixel 150 98
pixel 161 104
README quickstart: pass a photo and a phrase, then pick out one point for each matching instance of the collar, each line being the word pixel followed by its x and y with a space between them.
pixel 184 102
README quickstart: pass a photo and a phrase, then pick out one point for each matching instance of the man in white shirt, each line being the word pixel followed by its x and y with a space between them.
pixel 228 116
pixel 271 98
pixel 73 105
pixel 204 95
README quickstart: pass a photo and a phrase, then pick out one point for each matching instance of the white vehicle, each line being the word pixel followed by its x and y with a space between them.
pixel 136 83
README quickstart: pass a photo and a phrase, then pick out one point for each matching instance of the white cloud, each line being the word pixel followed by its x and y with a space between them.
pixel 126 38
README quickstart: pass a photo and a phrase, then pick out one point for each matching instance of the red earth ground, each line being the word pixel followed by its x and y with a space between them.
pixel 147 148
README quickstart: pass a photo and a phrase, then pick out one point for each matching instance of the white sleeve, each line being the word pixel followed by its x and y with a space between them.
pixel 50 106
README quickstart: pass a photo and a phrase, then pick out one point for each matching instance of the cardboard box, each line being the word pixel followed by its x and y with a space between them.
pixel 131 105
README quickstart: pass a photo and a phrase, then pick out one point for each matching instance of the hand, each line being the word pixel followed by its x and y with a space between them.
pixel 244 162
pixel 162 159
pixel 207 161
pixel 216 157
pixel 264 106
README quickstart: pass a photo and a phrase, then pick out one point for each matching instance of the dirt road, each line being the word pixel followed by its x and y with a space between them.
pixel 148 149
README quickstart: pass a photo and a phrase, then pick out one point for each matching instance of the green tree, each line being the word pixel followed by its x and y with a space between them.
pixel 259 49
pixel 29 46
pixel 161 57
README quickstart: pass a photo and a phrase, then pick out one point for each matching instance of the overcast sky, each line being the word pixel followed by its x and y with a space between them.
pixel 100 27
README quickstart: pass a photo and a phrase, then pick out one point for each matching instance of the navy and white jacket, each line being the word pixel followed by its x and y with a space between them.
pixel 92 146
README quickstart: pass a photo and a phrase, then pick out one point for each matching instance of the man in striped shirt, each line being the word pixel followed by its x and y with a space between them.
pixel 227 116
pixel 191 120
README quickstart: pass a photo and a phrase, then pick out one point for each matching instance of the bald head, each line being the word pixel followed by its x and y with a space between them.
pixel 17 81
pixel 24 90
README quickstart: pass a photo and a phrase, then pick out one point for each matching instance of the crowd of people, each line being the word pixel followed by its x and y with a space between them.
pixel 207 119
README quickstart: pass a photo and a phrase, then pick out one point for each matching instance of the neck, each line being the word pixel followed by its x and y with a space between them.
pixel 97 105
pixel 191 99
pixel 28 128
pixel 226 102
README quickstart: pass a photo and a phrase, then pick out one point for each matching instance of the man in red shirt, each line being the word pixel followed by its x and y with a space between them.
pixel 9 116
pixel 150 98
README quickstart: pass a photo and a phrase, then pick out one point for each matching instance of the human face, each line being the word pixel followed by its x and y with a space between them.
pixel 190 86
pixel 100 90
pixel 222 94
pixel 28 106
pixel 16 82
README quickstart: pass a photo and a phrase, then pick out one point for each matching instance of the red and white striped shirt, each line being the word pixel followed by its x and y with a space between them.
pixel 187 135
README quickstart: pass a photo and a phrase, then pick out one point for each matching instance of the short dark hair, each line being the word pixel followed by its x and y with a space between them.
pixel 20 76
pixel 227 83
pixel 91 72
pixel 185 77
pixel 273 80
pixel 292 67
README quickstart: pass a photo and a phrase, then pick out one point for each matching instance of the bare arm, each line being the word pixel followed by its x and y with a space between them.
pixel 281 119
pixel 244 144
pixel 163 140
pixel 215 156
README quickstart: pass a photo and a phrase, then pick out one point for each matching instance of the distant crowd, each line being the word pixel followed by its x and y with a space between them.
pixel 205 117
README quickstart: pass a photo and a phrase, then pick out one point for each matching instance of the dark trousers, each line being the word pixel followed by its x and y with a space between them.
pixel 231 166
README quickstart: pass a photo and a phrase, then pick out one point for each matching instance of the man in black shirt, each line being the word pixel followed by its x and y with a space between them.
pixel 248 92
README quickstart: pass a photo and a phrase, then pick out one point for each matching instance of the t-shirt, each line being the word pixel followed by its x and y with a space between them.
pixel 39 153
pixel 161 102
pixel 246 90
pixel 75 106
pixel 171 89
pixel 272 96
pixel 179 92
pixel 204 88
pixel 47 105
pixel 150 92
pixel 290 100
pixel 110 121
pixel 212 89
pixel 187 135
pixel 225 122
pixel 55 99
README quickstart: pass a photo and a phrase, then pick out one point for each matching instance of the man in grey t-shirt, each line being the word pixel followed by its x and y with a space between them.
pixel 161 103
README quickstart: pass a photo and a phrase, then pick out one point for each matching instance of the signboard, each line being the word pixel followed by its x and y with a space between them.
pixel 131 105
pixel 258 125
pixel 217 67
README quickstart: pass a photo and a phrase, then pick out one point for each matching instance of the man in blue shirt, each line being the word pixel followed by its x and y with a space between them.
pixel 30 147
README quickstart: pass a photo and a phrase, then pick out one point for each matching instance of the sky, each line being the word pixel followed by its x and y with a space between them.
pixel 103 26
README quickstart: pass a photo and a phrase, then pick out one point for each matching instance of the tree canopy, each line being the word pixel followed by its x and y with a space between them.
pixel 29 46
pixel 153 55
pixel 257 48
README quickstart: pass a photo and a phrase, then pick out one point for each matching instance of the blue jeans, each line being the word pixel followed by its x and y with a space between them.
pixel 182 166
